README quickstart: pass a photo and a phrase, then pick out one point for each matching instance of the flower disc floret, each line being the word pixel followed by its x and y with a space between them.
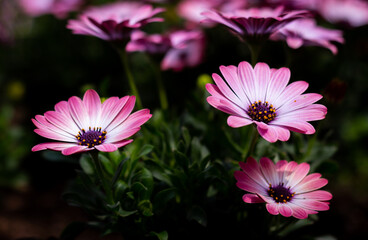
pixel 261 112
pixel 91 137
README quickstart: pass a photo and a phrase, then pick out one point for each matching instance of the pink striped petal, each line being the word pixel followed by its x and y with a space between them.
pixel 279 80
pixel 252 198
pixel 251 168
pixel 123 114
pixel 294 125
pixel 285 210
pixel 247 78
pixel 310 185
pixel 92 103
pixel 226 91
pixel 75 149
pixel 248 184
pixel 298 174
pixel 311 204
pixel 299 102
pixel 236 121
pixel 106 147
pixel 55 136
pixel 290 92
pixel 122 143
pixel 262 74
pixel 269 170
pixel 57 146
pixel 110 109
pixel 315 195
pixel 78 112
pixel 231 76
pixel 272 208
pixel 268 132
pixel 283 134
pixel 298 212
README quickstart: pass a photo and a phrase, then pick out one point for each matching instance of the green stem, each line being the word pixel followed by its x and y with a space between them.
pixel 101 177
pixel 250 145
pixel 124 58
pixel 255 47
pixel 160 85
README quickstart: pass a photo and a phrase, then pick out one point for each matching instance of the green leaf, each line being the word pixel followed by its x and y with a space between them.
pixel 186 136
pixel 118 172
pixel 145 207
pixel 181 160
pixel 198 214
pixel 145 150
pixel 163 197
pixel 161 235
pixel 123 213
pixel 120 188
pixel 86 164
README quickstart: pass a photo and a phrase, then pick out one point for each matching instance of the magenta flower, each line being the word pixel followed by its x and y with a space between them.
pixel 285 187
pixel 84 125
pixel 180 48
pixel 351 12
pixel 306 32
pixel 254 23
pixel 59 8
pixel 261 96
pixel 151 44
pixel 114 21
pixel 191 9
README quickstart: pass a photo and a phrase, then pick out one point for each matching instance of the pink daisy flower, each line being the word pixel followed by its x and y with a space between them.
pixel 285 187
pixel 84 125
pixel 255 23
pixel 114 21
pixel 262 97
pixel 59 8
pixel 352 12
pixel 180 48
pixel 191 9
pixel 306 32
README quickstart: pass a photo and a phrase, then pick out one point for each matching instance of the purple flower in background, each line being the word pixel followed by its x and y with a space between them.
pixel 305 32
pixel 187 50
pixel 191 9
pixel 285 187
pixel 151 44
pixel 254 23
pixel 59 8
pixel 352 12
pixel 115 21
pixel 180 48
pixel 80 125
pixel 262 96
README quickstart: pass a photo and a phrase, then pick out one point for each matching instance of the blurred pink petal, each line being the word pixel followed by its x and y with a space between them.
pixel 59 8
pixel 114 21
pixel 254 23
pixel 305 32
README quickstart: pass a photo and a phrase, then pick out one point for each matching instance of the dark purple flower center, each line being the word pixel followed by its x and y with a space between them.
pixel 261 112
pixel 280 193
pixel 92 137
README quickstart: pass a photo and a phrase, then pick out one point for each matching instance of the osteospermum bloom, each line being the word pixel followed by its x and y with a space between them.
pixel 306 32
pixel 114 21
pixel 285 187
pixel 182 48
pixel 84 125
pixel 254 23
pixel 262 96
pixel 59 8
pixel 191 9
